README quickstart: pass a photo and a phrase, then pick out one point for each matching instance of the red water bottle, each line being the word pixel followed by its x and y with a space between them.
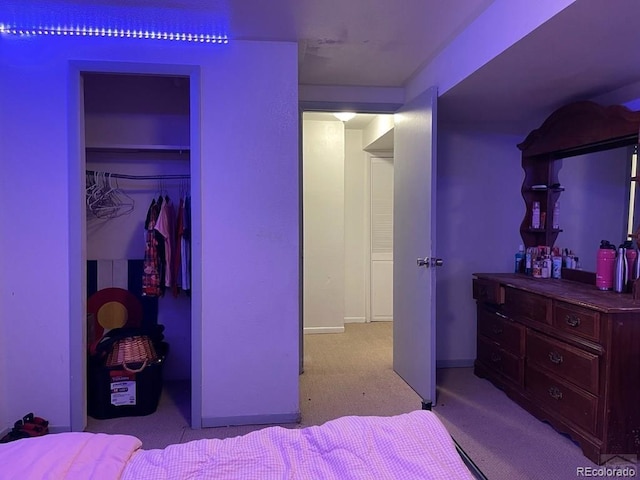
pixel 605 265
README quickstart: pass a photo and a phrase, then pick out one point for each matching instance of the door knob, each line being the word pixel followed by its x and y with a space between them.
pixel 430 262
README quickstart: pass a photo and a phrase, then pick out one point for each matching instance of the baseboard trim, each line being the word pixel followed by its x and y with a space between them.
pixel 312 330
pixel 382 319
pixel 462 363
pixel 355 320
pixel 273 419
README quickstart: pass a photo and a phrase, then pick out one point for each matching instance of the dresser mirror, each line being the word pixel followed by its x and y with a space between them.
pixel 594 205
pixel 580 157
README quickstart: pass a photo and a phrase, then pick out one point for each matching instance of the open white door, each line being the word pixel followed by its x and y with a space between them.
pixel 414 244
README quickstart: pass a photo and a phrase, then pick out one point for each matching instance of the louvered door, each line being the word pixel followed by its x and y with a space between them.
pixel 381 239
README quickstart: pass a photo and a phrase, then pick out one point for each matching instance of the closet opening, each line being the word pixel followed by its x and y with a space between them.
pixel 137 131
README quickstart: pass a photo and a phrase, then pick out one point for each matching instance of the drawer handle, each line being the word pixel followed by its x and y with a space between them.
pixel 495 357
pixel 497 329
pixel 556 358
pixel 501 315
pixel 555 393
pixel 572 320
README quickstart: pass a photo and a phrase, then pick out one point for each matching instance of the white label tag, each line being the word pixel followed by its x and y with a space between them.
pixel 123 393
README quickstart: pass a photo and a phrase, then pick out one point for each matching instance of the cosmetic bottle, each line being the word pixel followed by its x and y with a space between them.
pixel 535 215
pixel 520 256
pixel 555 222
pixel 556 270
pixel 546 266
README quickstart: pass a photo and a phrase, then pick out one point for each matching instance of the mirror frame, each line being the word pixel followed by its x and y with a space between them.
pixel 575 129
pixel 582 127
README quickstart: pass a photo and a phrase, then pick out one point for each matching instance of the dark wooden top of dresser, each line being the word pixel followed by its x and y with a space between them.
pixel 575 293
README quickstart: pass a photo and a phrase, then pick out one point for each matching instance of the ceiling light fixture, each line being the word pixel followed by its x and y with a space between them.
pixel 118 33
pixel 344 116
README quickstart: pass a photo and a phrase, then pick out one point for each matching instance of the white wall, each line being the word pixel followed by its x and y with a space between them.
pixel 249 222
pixel 323 209
pixel 356 237
pixel 478 219
pixel 323 201
pixel 380 127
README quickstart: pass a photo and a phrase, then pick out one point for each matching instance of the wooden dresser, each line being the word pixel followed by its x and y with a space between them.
pixel 566 352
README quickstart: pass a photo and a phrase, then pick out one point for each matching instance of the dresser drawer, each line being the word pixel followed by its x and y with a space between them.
pixel 521 305
pixel 577 320
pixel 558 396
pixel 499 360
pixel 572 364
pixel 488 291
pixel 506 333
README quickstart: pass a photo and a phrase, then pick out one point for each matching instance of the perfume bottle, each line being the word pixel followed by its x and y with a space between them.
pixel 555 222
pixel 535 215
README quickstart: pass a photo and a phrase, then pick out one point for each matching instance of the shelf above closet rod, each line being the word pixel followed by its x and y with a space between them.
pixel 141 177
pixel 124 148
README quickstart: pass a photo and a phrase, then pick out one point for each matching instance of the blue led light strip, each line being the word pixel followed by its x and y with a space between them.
pixel 113 32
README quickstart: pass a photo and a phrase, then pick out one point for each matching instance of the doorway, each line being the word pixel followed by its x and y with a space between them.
pixel 347 277
pixel 347 203
pixel 413 226
pixel 98 143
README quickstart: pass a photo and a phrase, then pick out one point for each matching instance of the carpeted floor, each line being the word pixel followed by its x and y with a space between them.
pixel 351 374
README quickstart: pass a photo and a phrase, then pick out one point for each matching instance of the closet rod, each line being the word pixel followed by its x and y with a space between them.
pixel 141 177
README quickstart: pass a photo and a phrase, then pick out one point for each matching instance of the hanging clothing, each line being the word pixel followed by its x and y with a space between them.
pixel 164 226
pixel 186 246
pixel 176 261
pixel 160 248
pixel 167 258
pixel 151 280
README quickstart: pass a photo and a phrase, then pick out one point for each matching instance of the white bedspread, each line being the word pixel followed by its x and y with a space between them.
pixel 410 446
pixel 68 456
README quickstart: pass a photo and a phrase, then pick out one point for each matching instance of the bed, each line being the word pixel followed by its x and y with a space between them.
pixel 414 445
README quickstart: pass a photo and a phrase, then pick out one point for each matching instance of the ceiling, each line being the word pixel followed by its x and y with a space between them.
pixel 587 51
